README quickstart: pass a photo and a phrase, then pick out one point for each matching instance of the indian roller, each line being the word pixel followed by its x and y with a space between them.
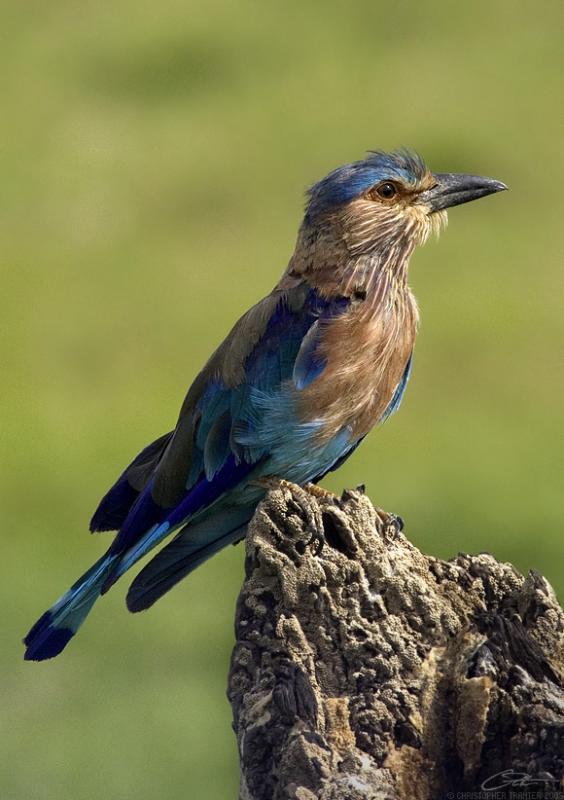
pixel 290 393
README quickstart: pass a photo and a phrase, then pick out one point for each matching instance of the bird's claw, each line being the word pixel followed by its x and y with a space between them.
pixel 392 524
pixel 398 522
pixel 305 501
pixel 317 542
pixel 319 493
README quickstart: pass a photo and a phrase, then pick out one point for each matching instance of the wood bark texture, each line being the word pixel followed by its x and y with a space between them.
pixel 370 671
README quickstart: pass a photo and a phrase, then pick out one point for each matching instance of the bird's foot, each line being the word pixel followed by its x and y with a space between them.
pixel 391 525
pixel 323 497
pixel 320 493
pixel 305 501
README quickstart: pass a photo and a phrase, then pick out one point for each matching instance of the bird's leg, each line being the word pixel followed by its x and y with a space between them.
pixel 307 501
pixel 304 499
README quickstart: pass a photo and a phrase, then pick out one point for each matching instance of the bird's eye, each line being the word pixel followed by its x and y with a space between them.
pixel 386 190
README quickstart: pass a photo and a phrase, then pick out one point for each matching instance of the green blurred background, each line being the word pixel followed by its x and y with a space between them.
pixel 152 163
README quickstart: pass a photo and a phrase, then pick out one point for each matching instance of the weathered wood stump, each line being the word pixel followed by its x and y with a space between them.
pixel 370 670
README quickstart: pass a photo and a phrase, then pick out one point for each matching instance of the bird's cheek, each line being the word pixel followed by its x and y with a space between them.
pixel 425 223
pixel 438 221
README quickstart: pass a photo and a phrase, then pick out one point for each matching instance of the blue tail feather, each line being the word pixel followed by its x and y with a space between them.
pixel 53 631
pixel 152 538
pixel 202 495
pixel 194 544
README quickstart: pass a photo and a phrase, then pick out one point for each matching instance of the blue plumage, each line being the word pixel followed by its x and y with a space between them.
pixel 52 632
pixel 144 514
pixel 116 504
pixel 291 392
pixel 349 181
pixel 397 397
pixel 241 432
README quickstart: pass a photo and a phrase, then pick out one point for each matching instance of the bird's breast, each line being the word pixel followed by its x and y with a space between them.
pixel 366 351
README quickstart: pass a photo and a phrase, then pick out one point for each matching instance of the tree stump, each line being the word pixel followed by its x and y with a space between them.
pixel 370 671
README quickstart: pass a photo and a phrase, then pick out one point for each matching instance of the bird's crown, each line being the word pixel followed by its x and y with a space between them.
pixel 351 180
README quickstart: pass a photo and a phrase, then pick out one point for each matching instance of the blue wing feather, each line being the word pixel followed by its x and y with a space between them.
pixel 399 392
pixel 200 497
pixel 217 446
pixel 226 521
pixel 244 426
pixel 238 432
pixel 309 364
pixel 117 502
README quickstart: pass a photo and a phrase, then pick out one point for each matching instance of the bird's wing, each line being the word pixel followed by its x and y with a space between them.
pixel 271 344
pixel 281 334
pixel 254 421
pixel 399 392
pixel 116 503
pixel 208 454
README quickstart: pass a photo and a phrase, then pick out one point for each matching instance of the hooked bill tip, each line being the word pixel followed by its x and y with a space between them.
pixel 453 189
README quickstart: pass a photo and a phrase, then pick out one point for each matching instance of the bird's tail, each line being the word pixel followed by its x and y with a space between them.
pixel 191 547
pixel 195 543
pixel 52 632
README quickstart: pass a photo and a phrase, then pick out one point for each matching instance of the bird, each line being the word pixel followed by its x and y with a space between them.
pixel 290 393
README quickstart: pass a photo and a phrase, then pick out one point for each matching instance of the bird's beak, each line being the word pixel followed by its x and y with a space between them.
pixel 452 189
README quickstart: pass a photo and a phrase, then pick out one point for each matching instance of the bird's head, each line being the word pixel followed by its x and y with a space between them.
pixel 389 201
